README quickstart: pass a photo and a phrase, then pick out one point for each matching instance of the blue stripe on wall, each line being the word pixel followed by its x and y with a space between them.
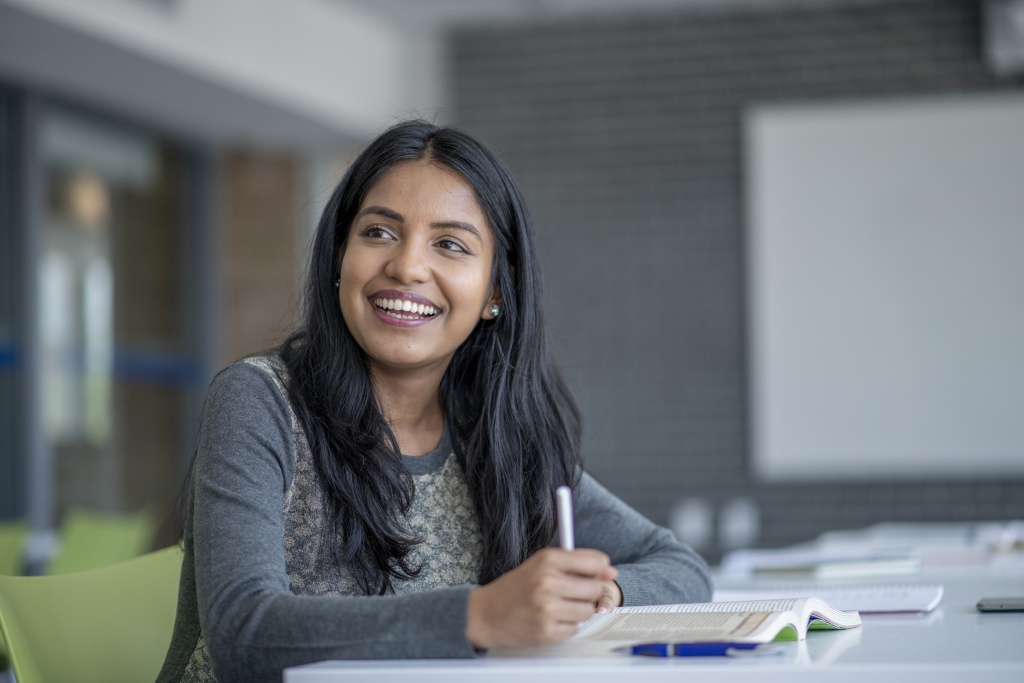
pixel 8 355
pixel 129 365
pixel 155 368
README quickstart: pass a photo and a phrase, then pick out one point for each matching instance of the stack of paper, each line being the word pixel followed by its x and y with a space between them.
pixel 817 563
pixel 865 597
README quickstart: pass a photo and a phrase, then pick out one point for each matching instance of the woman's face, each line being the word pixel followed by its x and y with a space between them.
pixel 416 271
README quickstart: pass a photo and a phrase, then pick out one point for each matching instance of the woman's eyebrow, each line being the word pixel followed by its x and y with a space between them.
pixel 380 211
pixel 437 225
pixel 458 225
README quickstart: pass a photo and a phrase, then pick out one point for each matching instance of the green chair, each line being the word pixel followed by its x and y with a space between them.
pixel 12 539
pixel 108 625
pixel 90 539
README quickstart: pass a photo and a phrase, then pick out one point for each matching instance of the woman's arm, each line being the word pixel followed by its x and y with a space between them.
pixel 253 624
pixel 654 568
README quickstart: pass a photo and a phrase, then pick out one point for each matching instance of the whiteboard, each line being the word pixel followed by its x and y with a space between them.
pixel 885 288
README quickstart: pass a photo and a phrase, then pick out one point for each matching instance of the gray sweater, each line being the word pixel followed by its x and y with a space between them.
pixel 259 592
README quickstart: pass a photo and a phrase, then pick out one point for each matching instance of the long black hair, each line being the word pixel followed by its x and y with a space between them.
pixel 513 421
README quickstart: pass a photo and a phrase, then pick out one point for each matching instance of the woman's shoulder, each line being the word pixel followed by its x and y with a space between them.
pixel 253 376
pixel 260 367
pixel 269 364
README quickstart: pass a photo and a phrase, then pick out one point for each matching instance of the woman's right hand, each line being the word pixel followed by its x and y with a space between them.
pixel 541 601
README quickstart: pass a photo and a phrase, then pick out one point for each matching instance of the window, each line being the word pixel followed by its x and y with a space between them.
pixel 119 366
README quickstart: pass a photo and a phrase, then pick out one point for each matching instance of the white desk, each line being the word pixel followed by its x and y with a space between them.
pixel 953 643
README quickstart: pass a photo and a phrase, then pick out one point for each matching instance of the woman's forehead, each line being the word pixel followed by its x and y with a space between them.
pixel 426 188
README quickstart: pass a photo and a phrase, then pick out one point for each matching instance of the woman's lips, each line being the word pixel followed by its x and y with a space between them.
pixel 403 308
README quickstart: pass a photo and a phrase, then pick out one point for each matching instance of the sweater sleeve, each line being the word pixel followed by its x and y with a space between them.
pixel 654 568
pixel 254 626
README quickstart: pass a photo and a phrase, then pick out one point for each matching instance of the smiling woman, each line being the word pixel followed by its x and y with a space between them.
pixel 383 484
pixel 420 239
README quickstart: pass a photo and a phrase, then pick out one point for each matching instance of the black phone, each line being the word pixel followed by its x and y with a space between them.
pixel 1014 604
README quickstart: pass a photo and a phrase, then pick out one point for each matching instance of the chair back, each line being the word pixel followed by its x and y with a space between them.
pixel 90 539
pixel 12 539
pixel 108 625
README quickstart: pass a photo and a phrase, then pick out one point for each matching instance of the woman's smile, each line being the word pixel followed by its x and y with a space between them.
pixel 403 309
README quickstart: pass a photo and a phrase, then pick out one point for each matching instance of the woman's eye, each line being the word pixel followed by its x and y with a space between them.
pixel 452 245
pixel 376 232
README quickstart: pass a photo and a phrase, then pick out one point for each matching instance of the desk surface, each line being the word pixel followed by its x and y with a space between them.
pixel 948 644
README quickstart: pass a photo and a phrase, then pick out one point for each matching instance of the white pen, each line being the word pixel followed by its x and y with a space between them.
pixel 566 535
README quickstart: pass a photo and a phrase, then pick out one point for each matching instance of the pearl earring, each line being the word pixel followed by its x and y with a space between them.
pixel 495 310
pixel 337 283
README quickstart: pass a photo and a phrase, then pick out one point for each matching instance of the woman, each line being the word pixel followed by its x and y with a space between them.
pixel 383 485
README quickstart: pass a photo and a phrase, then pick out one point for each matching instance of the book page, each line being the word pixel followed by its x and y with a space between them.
pixel 664 626
pixel 803 610
pixel 772 605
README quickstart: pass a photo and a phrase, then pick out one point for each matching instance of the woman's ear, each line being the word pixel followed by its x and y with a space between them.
pixel 494 306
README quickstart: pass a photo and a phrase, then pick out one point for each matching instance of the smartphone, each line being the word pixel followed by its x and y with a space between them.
pixel 1014 604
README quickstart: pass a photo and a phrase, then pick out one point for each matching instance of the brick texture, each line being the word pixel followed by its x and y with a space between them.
pixel 259 252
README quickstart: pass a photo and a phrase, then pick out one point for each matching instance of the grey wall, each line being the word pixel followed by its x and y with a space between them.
pixel 8 283
pixel 625 135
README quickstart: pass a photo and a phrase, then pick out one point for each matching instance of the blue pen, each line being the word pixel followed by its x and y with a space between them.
pixel 689 649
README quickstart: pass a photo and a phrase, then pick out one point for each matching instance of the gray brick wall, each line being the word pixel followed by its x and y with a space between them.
pixel 625 135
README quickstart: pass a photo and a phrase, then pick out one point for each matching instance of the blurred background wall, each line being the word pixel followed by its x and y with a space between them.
pixel 627 134
pixel 164 161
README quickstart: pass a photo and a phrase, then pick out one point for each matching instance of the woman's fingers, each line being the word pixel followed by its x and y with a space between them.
pixel 583 562
pixel 611 597
pixel 539 602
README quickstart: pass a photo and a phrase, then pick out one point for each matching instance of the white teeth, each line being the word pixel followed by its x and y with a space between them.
pixel 405 306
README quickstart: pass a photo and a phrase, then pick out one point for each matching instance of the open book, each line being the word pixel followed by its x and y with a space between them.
pixel 749 621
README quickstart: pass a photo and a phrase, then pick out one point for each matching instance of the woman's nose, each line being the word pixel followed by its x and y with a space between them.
pixel 408 263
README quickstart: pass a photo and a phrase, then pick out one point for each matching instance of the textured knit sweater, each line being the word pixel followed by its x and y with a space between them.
pixel 259 591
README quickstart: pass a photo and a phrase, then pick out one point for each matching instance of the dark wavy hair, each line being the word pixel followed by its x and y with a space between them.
pixel 514 424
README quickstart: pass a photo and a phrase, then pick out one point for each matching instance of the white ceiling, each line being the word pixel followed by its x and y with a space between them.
pixel 440 13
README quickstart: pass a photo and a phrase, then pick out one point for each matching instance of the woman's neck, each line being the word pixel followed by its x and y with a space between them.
pixel 412 408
